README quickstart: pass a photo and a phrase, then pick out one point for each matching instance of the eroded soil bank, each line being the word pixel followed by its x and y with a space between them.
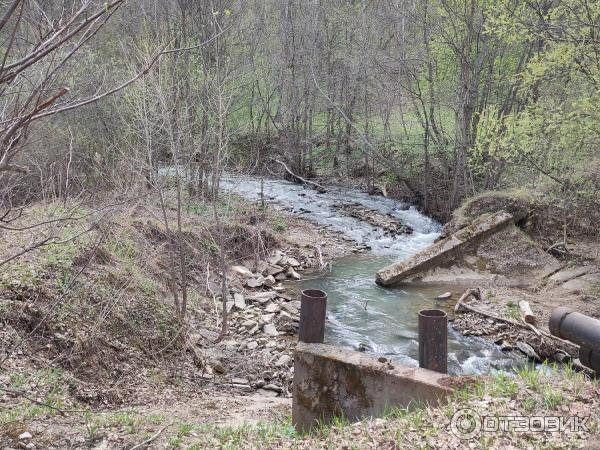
pixel 93 355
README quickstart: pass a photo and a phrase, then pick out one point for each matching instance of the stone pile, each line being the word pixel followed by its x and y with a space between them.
pixel 262 320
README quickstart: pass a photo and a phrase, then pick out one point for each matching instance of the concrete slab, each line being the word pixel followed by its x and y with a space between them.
pixel 443 249
pixel 330 381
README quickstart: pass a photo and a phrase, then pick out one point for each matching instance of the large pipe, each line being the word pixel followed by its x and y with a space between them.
pixel 433 340
pixel 575 327
pixel 589 358
pixel 313 305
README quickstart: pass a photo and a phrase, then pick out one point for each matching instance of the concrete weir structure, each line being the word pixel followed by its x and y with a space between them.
pixel 492 249
pixel 330 381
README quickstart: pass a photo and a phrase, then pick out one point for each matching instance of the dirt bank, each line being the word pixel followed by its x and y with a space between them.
pixel 90 341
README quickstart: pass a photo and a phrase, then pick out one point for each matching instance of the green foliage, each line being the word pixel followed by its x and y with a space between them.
pixel 211 246
pixel 279 224
pixel 513 310
pixel 554 132
pixel 122 247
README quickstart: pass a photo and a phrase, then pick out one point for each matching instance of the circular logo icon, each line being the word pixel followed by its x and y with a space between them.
pixel 465 424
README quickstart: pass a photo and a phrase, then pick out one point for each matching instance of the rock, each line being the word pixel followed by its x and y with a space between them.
pixel 262 267
pixel 274 270
pixel 267 318
pixel 280 277
pixel 255 282
pixel 239 381
pixel 273 308
pixel 292 262
pixel 269 280
pixel 290 309
pixel 262 297
pixel 382 359
pixel 242 270
pixel 229 306
pixel 248 324
pixel 25 436
pixel 270 330
pixel 242 387
pixel 239 302
pixel 528 350
pixel 276 258
pixel 273 387
pixel 207 334
pixel 265 393
pixel 218 368
pixel 252 345
pixel 291 273
pixel 283 360
pixel 287 323
pixel 444 296
pixel 390 225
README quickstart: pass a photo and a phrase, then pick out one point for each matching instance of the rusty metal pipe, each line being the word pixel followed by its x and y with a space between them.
pixel 313 306
pixel 575 327
pixel 589 358
pixel 433 340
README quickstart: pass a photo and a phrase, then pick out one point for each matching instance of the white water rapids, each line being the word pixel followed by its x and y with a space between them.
pixel 361 314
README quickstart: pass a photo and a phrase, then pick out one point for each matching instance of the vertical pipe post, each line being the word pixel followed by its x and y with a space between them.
pixel 313 304
pixel 433 340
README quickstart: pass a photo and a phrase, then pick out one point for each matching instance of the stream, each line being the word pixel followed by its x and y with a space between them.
pixel 362 315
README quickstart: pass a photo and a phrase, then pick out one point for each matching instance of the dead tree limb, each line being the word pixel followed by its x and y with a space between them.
pixel 314 185
pixel 462 306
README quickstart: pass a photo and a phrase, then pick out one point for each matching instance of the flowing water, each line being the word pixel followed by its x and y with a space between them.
pixel 361 314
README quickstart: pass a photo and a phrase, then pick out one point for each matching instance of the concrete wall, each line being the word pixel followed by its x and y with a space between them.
pixel 330 381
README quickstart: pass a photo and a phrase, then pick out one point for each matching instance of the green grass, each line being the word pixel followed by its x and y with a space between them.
pixel 279 224
pixel 50 387
pixel 530 376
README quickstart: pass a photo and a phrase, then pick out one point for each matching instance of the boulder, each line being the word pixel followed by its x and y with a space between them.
pixel 242 270
pixel 274 270
pixel 270 330
pixel 292 274
pixel 262 297
pixel 255 282
pixel 276 258
pixel 283 360
pixel 293 262
pixel 273 308
pixel 269 280
pixel 238 301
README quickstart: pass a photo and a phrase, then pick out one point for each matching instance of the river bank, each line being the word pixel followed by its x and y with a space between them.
pixel 90 339
pixel 112 366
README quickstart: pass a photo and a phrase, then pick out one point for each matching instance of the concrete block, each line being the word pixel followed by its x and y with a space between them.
pixel 445 248
pixel 330 381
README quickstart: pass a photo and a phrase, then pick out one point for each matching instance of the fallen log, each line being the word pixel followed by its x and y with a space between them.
pixel 314 185
pixel 526 311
